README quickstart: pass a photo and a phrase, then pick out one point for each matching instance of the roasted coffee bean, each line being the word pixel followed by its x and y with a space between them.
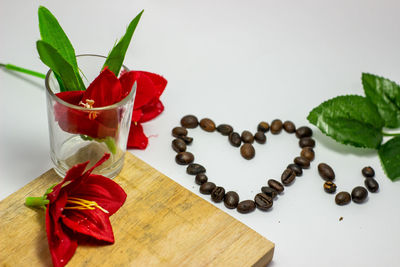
pixel 207 188
pixel 195 169
pixel 289 127
pixel 288 176
pixel 179 131
pixel 296 168
pixel 247 151
pixel 302 162
pixel 303 131
pixel 231 200
pixel 329 187
pixel 306 142
pixel 178 145
pixel 188 140
pixel 225 129
pixel 189 121
pixel 235 140
pixel 260 137
pixel 263 201
pixel 276 185
pixel 246 206
pixel 276 126
pixel 247 137
pixel 184 158
pixel 359 194
pixel 217 195
pixel 368 172
pixel 263 127
pixel 326 172
pixel 371 184
pixel 342 198
pixel 269 191
pixel 308 153
pixel 201 178
pixel 207 125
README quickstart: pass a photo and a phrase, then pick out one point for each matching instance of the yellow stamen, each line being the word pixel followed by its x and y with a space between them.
pixel 89 104
pixel 83 204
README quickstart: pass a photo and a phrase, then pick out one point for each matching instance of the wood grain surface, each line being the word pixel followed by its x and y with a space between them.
pixel 160 224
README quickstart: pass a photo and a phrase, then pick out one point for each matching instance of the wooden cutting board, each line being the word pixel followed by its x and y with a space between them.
pixel 161 223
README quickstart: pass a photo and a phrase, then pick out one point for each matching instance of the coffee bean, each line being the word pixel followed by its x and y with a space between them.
pixel 288 176
pixel 371 184
pixel 359 194
pixel 289 127
pixel 217 195
pixel 263 201
pixel 201 178
pixel 207 125
pixel 247 137
pixel 225 129
pixel 247 151
pixel 269 191
pixel 178 145
pixel 189 121
pixel 260 137
pixel 179 131
pixel 342 198
pixel 263 127
pixel 207 188
pixel 303 131
pixel 276 185
pixel 306 142
pixel 184 158
pixel 195 169
pixel 326 172
pixel 329 187
pixel 246 206
pixel 231 200
pixel 302 162
pixel 308 153
pixel 296 168
pixel 368 172
pixel 188 140
pixel 235 140
pixel 276 126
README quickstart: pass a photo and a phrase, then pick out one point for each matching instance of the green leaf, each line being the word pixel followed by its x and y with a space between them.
pixel 116 57
pixel 389 153
pixel 50 56
pixel 350 119
pixel 385 94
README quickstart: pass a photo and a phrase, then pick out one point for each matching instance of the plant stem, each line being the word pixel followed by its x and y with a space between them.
pixel 36 202
pixel 390 134
pixel 23 70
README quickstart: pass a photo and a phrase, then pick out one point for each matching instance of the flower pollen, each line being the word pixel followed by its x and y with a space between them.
pixel 83 204
pixel 89 104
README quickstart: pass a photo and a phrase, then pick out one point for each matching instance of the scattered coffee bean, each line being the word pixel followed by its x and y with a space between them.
pixel 207 188
pixel 276 185
pixel 289 127
pixel 371 184
pixel 247 137
pixel 342 198
pixel 231 200
pixel 189 121
pixel 288 176
pixel 235 140
pixel 359 194
pixel 308 153
pixel 263 201
pixel 302 162
pixel 179 131
pixel 329 187
pixel 296 168
pixel 276 126
pixel 260 137
pixel 201 178
pixel 225 129
pixel 188 140
pixel 184 158
pixel 207 125
pixel 269 191
pixel 368 172
pixel 306 142
pixel 247 151
pixel 195 169
pixel 178 145
pixel 217 195
pixel 263 127
pixel 246 206
pixel 326 172
pixel 303 131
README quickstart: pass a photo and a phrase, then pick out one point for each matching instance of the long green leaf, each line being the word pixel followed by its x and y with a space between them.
pixel 389 154
pixel 117 55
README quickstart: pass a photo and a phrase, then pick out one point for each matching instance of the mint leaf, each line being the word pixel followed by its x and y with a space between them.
pixel 116 57
pixel 350 119
pixel 389 154
pixel 385 94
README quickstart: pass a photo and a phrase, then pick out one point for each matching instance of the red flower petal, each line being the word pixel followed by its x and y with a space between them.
pixel 136 115
pixel 136 138
pixel 72 97
pixel 151 110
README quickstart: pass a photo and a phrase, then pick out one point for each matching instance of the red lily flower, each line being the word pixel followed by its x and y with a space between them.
pixel 80 206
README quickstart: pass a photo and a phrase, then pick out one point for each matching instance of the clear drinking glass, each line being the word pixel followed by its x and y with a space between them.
pixel 76 136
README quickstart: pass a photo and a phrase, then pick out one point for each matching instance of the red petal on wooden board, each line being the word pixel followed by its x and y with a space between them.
pixel 137 138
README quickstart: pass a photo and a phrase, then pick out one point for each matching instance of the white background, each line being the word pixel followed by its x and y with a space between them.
pixel 237 62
